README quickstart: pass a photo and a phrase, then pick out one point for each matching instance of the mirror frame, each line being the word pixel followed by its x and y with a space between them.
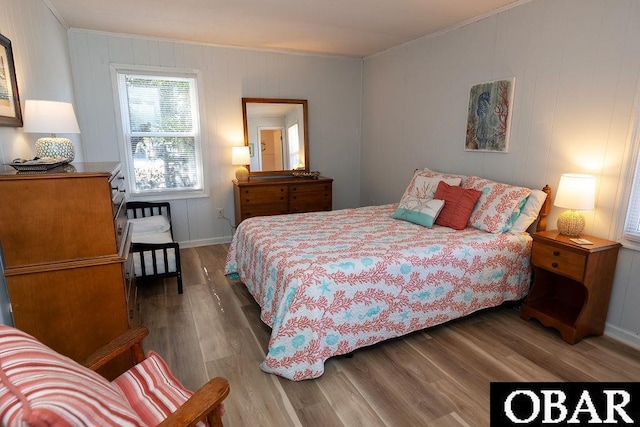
pixel 305 119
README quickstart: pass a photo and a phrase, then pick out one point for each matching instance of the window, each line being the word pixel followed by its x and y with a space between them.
pixel 632 223
pixel 631 230
pixel 160 132
pixel 294 146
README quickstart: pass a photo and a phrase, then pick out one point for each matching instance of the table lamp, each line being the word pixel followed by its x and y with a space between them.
pixel 241 157
pixel 51 117
pixel 575 192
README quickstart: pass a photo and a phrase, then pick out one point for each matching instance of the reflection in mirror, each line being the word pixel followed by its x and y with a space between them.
pixel 276 132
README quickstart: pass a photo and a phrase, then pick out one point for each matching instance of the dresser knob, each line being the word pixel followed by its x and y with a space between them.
pixel 554 264
pixel 556 253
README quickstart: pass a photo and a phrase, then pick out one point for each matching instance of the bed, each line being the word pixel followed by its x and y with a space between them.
pixel 155 253
pixel 330 282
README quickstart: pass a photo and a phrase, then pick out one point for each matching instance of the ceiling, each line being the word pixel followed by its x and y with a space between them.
pixel 356 28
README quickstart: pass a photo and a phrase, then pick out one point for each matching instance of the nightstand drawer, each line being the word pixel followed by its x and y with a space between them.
pixel 561 261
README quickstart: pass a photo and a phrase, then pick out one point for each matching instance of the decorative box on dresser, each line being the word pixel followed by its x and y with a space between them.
pixel 66 244
pixel 571 284
pixel 275 196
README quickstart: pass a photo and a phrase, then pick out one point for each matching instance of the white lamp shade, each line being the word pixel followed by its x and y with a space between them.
pixel 49 117
pixel 576 191
pixel 240 156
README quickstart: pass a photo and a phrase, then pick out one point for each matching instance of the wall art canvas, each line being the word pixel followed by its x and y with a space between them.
pixel 489 116
pixel 10 112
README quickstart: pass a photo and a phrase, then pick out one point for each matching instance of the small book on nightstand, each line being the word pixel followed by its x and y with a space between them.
pixel 581 241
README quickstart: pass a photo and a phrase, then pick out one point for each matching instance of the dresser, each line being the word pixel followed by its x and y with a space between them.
pixel 275 196
pixel 571 284
pixel 66 244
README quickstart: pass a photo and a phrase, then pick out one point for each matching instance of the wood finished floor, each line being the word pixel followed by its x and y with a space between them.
pixel 436 377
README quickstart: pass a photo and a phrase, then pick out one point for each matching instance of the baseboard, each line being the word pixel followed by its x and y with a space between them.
pixel 623 335
pixel 205 242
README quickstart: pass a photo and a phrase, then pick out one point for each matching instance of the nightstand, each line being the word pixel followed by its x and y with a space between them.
pixel 571 284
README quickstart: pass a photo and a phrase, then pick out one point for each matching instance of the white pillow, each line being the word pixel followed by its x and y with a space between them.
pixel 156 238
pixel 529 212
pixel 150 224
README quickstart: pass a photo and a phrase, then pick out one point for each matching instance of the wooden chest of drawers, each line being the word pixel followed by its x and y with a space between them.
pixel 572 284
pixel 275 196
pixel 66 246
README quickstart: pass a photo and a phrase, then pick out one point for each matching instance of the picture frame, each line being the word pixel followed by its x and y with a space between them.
pixel 251 149
pixel 489 116
pixel 10 111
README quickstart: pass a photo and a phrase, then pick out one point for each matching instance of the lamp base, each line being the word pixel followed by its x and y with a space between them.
pixel 570 223
pixel 242 174
pixel 55 147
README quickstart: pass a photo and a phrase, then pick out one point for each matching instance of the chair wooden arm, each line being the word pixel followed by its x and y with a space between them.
pixel 130 340
pixel 205 403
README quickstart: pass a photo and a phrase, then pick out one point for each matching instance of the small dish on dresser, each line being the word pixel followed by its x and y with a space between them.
pixel 303 174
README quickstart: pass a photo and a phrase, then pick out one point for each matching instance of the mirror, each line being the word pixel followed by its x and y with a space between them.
pixel 277 134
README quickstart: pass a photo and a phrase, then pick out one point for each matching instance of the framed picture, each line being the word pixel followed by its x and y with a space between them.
pixel 10 112
pixel 489 116
pixel 251 149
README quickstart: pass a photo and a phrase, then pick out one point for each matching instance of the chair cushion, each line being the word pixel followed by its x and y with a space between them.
pixel 42 387
pixel 152 390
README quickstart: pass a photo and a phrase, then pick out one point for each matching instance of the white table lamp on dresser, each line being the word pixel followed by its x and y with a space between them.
pixel 51 117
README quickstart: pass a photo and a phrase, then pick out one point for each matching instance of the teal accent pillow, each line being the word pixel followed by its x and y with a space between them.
pixel 418 211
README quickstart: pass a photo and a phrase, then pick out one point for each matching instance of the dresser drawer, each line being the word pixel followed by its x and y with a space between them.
pixel 256 209
pixel 131 291
pixel 264 195
pixel 117 184
pixel 558 260
pixel 120 222
pixel 310 197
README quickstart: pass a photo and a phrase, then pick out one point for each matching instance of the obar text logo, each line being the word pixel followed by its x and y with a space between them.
pixel 539 404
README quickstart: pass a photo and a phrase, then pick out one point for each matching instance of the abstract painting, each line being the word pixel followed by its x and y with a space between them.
pixel 489 116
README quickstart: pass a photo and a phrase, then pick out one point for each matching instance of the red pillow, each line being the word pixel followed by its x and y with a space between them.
pixel 458 205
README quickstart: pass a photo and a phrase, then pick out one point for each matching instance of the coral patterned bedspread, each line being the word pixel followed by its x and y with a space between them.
pixel 331 282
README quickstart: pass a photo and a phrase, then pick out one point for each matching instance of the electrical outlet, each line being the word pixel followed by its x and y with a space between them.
pixel 220 212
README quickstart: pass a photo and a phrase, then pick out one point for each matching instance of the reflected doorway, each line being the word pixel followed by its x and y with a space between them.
pixel 271 149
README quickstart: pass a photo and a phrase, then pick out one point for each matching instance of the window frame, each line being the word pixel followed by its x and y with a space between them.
pixel 124 149
pixel 631 182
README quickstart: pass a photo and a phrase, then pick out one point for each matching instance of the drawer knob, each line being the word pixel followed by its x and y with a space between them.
pixel 554 264
pixel 556 253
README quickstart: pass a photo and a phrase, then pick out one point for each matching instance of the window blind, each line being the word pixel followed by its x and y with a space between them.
pixel 632 223
pixel 161 132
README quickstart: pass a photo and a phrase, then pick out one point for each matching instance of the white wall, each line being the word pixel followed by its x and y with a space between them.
pixel 43 71
pixel 41 60
pixel 331 85
pixel 577 67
